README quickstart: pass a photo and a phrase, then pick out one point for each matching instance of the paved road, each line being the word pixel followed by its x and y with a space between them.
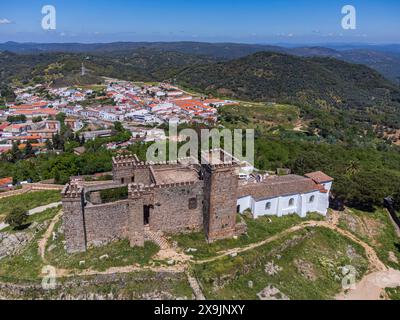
pixel 35 211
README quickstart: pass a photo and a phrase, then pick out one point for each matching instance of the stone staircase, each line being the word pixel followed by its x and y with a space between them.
pixel 195 287
pixel 156 237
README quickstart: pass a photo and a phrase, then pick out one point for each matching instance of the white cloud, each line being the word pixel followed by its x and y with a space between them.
pixel 5 21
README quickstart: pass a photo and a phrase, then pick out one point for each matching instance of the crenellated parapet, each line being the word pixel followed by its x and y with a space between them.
pixel 138 189
pixel 133 161
pixel 72 191
pixel 216 159
pixel 125 161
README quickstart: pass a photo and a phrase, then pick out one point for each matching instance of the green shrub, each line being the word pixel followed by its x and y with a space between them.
pixel 112 195
pixel 17 217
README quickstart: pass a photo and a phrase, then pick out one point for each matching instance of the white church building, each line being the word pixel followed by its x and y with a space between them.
pixel 284 195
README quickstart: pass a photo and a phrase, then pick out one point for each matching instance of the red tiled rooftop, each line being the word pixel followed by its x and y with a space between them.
pixel 319 177
pixel 276 186
pixel 6 181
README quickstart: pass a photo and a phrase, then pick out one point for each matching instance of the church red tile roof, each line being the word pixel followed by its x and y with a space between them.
pixel 319 177
pixel 276 186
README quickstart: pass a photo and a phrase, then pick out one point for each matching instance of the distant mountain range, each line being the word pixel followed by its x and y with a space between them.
pixel 383 58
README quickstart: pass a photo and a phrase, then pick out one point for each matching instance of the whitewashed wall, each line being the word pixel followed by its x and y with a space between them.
pixel 281 206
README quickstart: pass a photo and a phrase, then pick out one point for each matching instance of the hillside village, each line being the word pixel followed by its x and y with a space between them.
pixel 33 117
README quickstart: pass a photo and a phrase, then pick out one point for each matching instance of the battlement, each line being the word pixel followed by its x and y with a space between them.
pixel 72 190
pixel 125 161
pixel 134 162
pixel 218 159
pixel 135 189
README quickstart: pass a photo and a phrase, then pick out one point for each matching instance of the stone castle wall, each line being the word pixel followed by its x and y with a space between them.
pixel 221 185
pixel 74 224
pixel 171 211
pixel 208 204
pixel 107 222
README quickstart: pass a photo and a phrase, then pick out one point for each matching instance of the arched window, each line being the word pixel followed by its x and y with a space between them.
pixel 312 199
pixel 291 202
pixel 268 206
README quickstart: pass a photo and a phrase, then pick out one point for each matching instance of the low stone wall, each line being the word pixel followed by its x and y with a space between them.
pixel 85 288
pixel 30 187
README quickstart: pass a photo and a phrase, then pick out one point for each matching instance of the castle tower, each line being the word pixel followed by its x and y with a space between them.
pixel 74 218
pixel 136 224
pixel 128 169
pixel 219 171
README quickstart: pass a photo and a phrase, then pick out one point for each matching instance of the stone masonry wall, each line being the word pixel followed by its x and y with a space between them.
pixel 136 223
pixel 123 173
pixel 107 222
pixel 74 225
pixel 142 175
pixel 171 211
pixel 221 193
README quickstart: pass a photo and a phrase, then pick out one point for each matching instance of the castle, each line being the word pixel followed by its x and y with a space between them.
pixel 181 196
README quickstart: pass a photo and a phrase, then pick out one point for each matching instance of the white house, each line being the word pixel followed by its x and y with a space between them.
pixel 284 195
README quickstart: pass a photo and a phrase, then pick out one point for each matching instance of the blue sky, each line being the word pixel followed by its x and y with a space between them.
pixel 251 21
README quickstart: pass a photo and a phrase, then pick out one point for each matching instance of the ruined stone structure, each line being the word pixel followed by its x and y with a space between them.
pixel 181 196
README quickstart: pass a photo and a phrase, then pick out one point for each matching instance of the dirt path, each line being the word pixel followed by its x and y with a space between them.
pixel 43 241
pixel 115 270
pixel 372 286
pixel 254 245
pixel 44 208
pixel 374 261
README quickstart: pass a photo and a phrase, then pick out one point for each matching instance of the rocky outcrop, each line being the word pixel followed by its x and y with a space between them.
pixel 12 243
pixel 99 287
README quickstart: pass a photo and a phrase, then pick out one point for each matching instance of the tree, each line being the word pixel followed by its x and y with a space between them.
pixel 29 150
pixel 17 217
pixel 37 119
pixel 15 152
pixel 16 119
pixel 118 126
pixel 49 144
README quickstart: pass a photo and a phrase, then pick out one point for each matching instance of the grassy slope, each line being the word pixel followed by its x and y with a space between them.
pixel 29 200
pixel 258 230
pixel 260 115
pixel 27 265
pixel 393 293
pixel 323 249
pixel 119 254
pixel 377 230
